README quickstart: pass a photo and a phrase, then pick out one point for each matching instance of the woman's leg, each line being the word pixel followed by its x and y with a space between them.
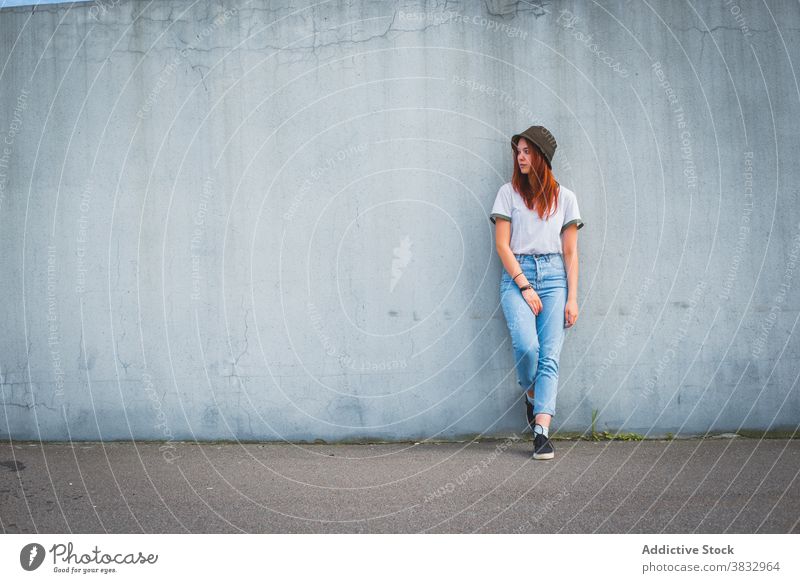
pixel 524 338
pixel 550 332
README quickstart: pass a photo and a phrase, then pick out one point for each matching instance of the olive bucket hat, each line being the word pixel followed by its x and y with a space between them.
pixel 540 137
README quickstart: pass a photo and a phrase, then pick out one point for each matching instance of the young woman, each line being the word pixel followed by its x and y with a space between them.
pixel 537 240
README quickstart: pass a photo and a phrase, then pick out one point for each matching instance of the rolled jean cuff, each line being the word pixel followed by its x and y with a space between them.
pixel 548 410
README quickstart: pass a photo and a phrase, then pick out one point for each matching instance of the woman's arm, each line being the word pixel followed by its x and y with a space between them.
pixel 569 244
pixel 502 239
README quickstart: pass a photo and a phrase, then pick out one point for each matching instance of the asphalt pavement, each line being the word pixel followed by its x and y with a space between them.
pixel 736 485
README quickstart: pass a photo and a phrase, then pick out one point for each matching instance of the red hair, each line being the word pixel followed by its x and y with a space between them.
pixel 538 188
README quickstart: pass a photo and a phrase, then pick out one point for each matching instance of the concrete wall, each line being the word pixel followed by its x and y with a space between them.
pixel 252 220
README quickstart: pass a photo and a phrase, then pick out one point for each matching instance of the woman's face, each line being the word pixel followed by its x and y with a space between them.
pixel 524 155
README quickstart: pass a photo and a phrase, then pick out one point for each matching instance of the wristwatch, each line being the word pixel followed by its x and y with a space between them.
pixel 524 287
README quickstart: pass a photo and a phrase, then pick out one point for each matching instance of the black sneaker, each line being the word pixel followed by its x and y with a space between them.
pixel 529 413
pixel 542 447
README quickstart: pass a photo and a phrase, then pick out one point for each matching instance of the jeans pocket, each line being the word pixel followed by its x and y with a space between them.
pixel 554 277
pixel 505 283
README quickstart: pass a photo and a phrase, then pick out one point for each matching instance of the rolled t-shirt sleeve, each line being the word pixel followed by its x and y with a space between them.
pixel 572 214
pixel 502 205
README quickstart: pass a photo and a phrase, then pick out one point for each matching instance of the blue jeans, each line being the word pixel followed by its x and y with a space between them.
pixel 537 340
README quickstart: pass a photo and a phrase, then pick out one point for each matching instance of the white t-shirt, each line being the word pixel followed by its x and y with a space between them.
pixel 530 234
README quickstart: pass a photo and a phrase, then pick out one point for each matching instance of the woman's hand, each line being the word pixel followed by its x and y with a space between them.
pixel 570 313
pixel 533 300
